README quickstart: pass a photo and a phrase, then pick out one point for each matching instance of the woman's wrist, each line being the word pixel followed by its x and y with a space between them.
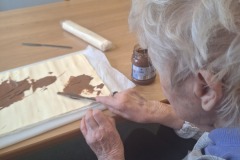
pixel 116 154
pixel 112 157
pixel 164 114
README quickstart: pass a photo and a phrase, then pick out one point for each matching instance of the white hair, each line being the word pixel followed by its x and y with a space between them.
pixel 194 35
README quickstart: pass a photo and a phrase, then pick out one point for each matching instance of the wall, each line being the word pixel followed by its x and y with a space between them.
pixel 14 4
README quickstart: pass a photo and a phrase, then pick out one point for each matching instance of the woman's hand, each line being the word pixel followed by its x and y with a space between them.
pixel 101 135
pixel 130 105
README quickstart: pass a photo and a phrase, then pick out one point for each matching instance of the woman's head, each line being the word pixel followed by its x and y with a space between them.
pixel 192 39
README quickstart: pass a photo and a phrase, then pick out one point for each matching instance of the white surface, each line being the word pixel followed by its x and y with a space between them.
pixel 44 103
pixel 114 80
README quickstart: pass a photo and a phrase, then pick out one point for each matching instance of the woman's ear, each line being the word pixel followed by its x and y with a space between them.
pixel 207 90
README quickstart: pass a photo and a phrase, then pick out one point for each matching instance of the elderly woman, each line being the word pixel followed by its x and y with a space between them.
pixel 195 47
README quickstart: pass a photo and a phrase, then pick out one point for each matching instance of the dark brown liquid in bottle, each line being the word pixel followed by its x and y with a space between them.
pixel 143 73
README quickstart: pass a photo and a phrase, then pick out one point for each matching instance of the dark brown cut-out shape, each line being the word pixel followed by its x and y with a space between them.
pixel 13 91
pixel 78 84
pixel 43 82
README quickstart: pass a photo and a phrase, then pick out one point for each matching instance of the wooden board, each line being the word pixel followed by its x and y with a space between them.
pixel 39 100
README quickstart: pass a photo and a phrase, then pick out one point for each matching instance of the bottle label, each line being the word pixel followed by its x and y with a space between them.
pixel 143 73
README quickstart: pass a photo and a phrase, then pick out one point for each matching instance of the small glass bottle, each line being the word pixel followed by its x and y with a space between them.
pixel 143 72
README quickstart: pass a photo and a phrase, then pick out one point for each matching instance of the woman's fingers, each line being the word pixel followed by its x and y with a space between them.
pixel 101 119
pixel 101 135
pixel 112 121
pixel 90 122
pixel 93 120
pixel 83 127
